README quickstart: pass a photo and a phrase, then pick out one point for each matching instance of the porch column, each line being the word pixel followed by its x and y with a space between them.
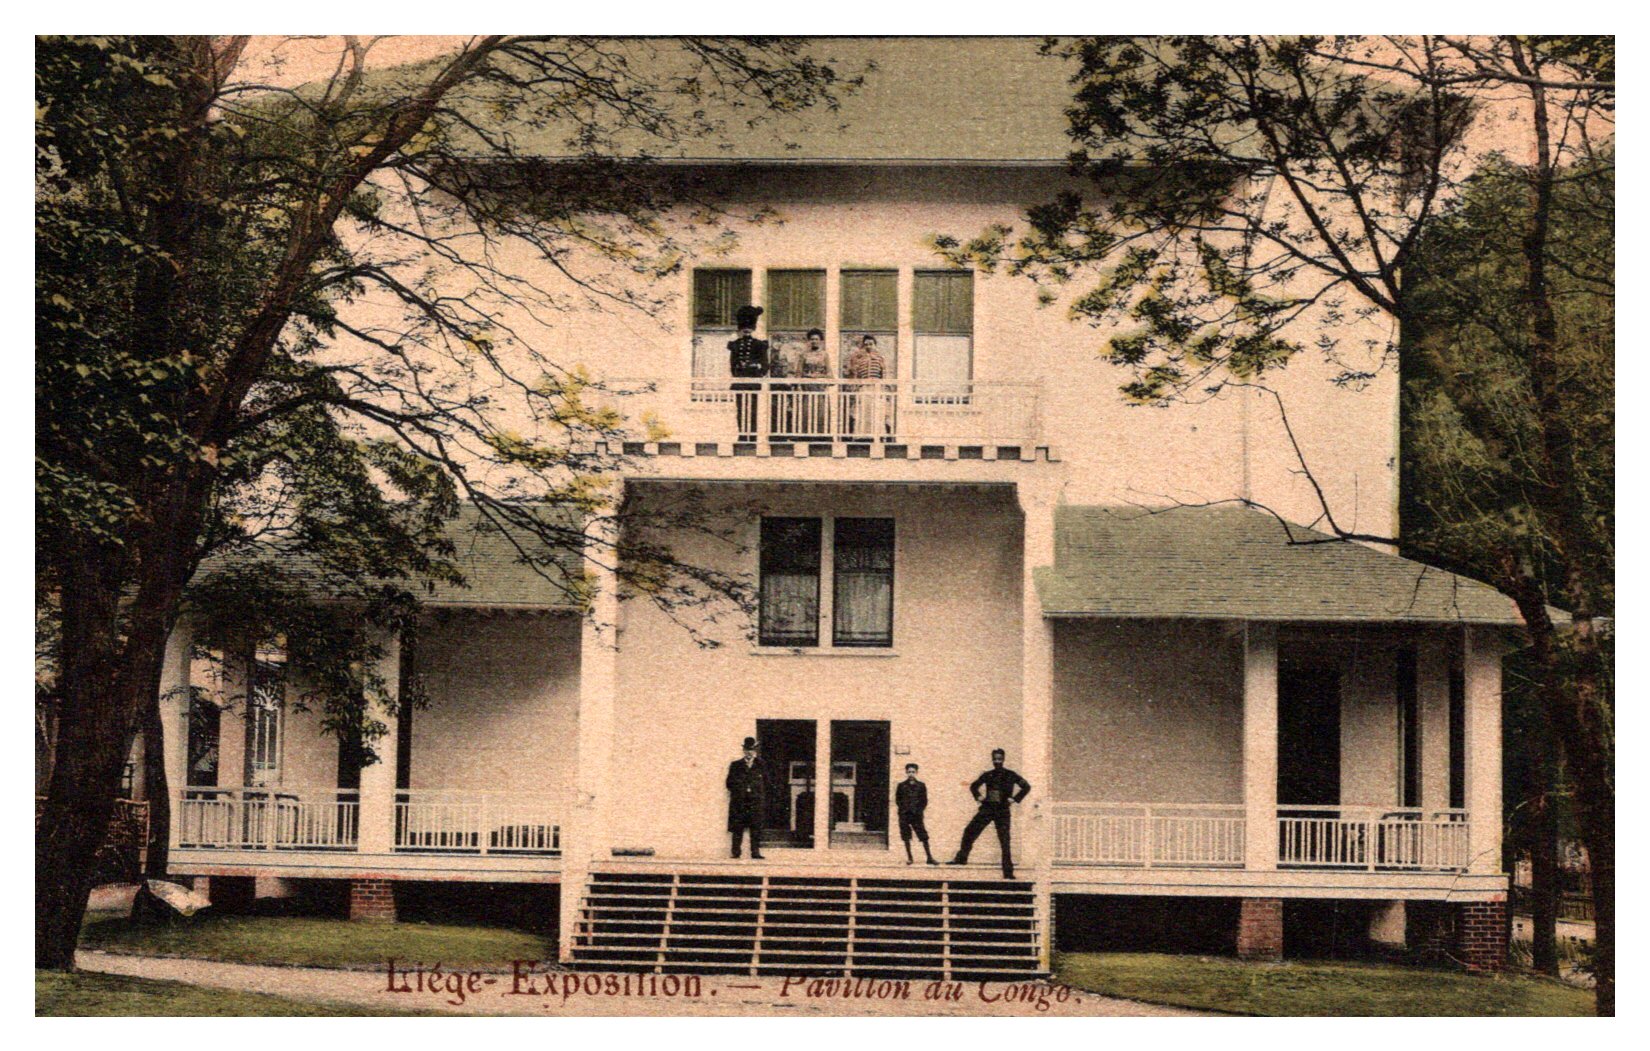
pixel 1260 746
pixel 377 794
pixel 585 829
pixel 822 783
pixel 174 716
pixel 1481 663
pixel 1034 825
pixel 1432 667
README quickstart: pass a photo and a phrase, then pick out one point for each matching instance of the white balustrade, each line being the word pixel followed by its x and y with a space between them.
pixel 1372 838
pixel 1149 835
pixel 907 412
pixel 454 821
pixel 276 818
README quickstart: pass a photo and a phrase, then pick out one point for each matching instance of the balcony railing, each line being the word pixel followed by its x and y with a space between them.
pixel 1372 838
pixel 827 410
pixel 452 821
pixel 1149 835
pixel 282 818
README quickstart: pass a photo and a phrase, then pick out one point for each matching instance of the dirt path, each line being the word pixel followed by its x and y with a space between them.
pixel 606 995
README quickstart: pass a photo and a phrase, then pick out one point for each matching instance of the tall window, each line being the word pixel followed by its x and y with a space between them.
pixel 790 582
pixel 265 705
pixel 863 590
pixel 796 303
pixel 716 295
pixel 1409 728
pixel 870 307
pixel 942 315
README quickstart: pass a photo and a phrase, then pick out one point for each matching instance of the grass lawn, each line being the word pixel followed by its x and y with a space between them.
pixel 1315 988
pixel 313 942
pixel 82 994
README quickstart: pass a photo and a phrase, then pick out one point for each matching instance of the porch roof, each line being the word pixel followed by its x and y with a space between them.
pixel 491 561
pixel 1238 563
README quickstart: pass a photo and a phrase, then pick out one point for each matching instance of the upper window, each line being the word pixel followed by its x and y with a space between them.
pixel 862 585
pixel 870 307
pixel 942 317
pixel 796 305
pixel 863 591
pixel 716 295
pixel 790 582
pixel 265 711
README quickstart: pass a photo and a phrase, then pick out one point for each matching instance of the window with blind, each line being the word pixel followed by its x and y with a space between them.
pixel 870 307
pixel 796 303
pixel 942 317
pixel 717 294
pixel 862 593
pixel 789 588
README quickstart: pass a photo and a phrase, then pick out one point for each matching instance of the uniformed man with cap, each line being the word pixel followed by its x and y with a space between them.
pixel 747 798
pixel 747 359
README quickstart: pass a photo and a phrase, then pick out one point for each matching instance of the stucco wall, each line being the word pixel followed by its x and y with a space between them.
pixel 950 686
pixel 503 710
pixel 1148 711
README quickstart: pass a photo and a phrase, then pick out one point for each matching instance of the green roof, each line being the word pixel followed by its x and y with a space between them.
pixel 491 561
pixel 924 99
pixel 1234 562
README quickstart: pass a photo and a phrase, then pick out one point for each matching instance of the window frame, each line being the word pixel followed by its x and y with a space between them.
pixel 944 392
pixel 887 639
pixel 825 640
pixel 763 572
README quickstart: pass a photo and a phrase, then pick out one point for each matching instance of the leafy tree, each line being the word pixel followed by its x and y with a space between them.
pixel 311 315
pixel 1249 190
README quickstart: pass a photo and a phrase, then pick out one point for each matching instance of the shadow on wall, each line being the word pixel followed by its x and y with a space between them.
pixel 1206 926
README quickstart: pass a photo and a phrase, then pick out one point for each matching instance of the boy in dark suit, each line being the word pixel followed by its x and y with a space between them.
pixel 910 800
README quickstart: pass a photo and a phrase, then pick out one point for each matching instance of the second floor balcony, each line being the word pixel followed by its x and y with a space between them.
pixel 906 419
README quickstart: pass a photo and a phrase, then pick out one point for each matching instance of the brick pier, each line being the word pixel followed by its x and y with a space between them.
pixel 1260 929
pixel 372 899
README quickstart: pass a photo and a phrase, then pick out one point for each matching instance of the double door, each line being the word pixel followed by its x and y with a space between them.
pixel 853 812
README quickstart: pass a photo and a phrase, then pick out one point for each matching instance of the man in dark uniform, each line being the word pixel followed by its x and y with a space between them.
pixel 747 359
pixel 910 800
pixel 747 798
pixel 996 791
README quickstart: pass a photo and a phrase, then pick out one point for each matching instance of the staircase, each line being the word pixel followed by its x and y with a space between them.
pixel 717 923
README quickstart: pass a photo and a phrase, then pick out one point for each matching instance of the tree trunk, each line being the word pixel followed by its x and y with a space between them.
pixel 157 792
pixel 1545 891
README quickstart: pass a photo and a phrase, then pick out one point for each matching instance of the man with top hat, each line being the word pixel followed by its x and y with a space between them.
pixel 996 791
pixel 747 359
pixel 747 798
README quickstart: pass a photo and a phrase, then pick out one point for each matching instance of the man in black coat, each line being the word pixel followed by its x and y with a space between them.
pixel 747 359
pixel 996 791
pixel 910 800
pixel 747 798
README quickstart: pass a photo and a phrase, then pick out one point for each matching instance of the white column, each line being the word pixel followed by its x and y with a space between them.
pixel 1432 675
pixel 1260 745
pixel 377 807
pixel 585 828
pixel 174 713
pixel 822 784
pixel 1481 661
pixel 1033 823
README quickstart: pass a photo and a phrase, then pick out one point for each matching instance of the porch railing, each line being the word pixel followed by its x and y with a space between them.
pixel 1149 835
pixel 1372 838
pixel 277 818
pixel 454 821
pixel 835 410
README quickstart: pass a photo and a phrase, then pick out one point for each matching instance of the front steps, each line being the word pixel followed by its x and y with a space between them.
pixel 716 923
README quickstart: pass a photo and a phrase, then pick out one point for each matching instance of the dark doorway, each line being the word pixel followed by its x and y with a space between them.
pixel 790 755
pixel 859 784
pixel 1309 733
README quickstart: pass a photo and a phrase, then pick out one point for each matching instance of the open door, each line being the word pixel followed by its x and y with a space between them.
pixel 859 784
pixel 1309 734
pixel 789 755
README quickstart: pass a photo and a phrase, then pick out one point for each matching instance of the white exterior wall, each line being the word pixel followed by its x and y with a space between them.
pixel 503 703
pixel 950 687
pixel 1148 711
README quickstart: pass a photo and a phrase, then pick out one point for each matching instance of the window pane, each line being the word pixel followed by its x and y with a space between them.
pixel 943 302
pixel 790 582
pixel 717 294
pixel 796 300
pixel 870 301
pixel 863 591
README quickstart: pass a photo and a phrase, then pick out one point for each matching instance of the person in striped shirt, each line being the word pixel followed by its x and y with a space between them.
pixel 858 400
